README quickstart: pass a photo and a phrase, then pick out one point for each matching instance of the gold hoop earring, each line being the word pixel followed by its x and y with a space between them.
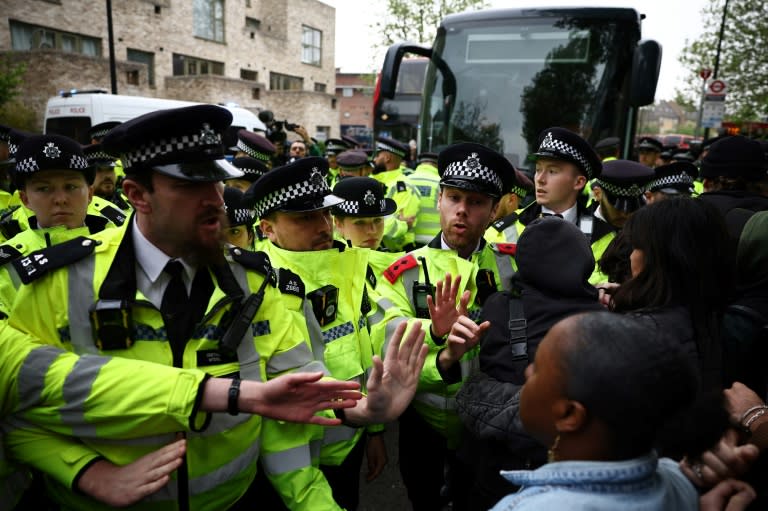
pixel 552 451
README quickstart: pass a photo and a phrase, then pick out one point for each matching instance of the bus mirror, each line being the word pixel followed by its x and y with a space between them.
pixel 645 73
pixel 391 67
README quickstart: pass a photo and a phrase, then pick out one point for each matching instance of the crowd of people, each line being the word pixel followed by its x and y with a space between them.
pixel 193 326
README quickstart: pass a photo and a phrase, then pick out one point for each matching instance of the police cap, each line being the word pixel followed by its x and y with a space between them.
pixel 15 138
pixel 392 146
pixel 5 132
pixel 364 197
pixel 252 168
pixel 649 144
pixel 524 185
pixel 238 212
pixel 38 153
pixel 351 141
pixel 477 168
pixel 735 157
pixel 97 157
pixel 427 157
pixel 608 142
pixel 563 144
pixel 674 178
pixel 296 187
pixel 99 131
pixel 335 146
pixel 255 145
pixel 623 183
pixel 184 143
pixel 352 160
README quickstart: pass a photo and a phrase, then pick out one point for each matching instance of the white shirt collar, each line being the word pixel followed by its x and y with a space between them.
pixel 153 260
pixel 445 246
pixel 570 214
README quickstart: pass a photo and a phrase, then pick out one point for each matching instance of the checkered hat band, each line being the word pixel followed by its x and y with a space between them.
pixel 279 198
pixel 632 191
pixel 99 155
pixel 381 146
pixel 241 215
pixel 558 146
pixel 677 179
pixel 12 148
pixel 520 192
pixel 29 165
pixel 253 153
pixel 352 207
pixel 100 133
pixel 461 170
pixel 247 170
pixel 162 147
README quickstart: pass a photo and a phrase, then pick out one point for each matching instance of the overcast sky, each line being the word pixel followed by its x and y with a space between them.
pixel 670 22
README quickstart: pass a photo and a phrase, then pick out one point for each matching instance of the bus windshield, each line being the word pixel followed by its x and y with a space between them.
pixel 516 76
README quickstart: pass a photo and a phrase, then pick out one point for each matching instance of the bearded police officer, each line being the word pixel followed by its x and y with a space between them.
pixel 472 179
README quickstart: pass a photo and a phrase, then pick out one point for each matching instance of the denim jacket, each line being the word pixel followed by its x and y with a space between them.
pixel 646 483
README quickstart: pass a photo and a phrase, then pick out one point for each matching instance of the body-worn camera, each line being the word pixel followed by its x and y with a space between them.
pixel 111 324
pixel 420 291
pixel 325 302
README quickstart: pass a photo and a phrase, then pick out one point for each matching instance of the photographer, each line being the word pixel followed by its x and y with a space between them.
pixel 304 147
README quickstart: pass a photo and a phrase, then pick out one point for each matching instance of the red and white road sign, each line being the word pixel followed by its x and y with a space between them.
pixel 705 74
pixel 717 87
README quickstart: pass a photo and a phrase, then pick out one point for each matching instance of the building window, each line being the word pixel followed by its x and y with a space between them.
pixel 32 37
pixel 278 81
pixel 311 45
pixel 247 74
pixel 256 93
pixel 209 19
pixel 132 77
pixel 252 23
pixel 144 57
pixel 347 92
pixel 333 103
pixel 320 87
pixel 322 132
pixel 191 66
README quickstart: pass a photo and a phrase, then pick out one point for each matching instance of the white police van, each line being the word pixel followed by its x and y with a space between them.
pixel 72 113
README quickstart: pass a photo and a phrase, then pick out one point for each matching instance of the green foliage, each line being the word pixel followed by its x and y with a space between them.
pixel 19 115
pixel 11 75
pixel 743 61
pixel 417 20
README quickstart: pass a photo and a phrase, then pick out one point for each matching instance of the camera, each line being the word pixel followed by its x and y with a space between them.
pixel 276 129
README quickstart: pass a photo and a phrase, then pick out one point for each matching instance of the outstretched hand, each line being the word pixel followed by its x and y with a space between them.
pixel 465 334
pixel 393 381
pixel 443 310
pixel 294 397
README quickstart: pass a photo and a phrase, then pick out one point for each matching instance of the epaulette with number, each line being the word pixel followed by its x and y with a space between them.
pixel 503 223
pixel 9 226
pixel 8 254
pixel 40 262
pixel 290 283
pixel 256 261
pixel 398 267
pixel 113 214
pixel 505 248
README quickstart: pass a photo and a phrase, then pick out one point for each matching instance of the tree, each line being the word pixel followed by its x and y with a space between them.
pixel 11 75
pixel 743 61
pixel 417 20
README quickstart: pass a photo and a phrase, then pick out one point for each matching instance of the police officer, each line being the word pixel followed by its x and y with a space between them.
pixel 105 184
pixel 240 217
pixel 253 145
pixel 334 147
pixel 473 179
pixel 608 148
pixel 353 163
pixel 360 219
pixel 504 226
pixel 427 181
pixel 648 151
pixel 252 169
pixel 671 180
pixel 119 295
pixel 399 232
pixel 329 281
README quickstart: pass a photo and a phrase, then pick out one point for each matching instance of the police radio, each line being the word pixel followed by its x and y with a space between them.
pixel 486 285
pixel 421 291
pixel 111 324
pixel 325 302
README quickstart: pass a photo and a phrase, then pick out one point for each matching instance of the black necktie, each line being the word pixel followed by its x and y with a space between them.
pixel 175 302
pixel 558 215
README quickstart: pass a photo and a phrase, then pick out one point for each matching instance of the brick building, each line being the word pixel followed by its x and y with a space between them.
pixel 261 54
pixel 355 99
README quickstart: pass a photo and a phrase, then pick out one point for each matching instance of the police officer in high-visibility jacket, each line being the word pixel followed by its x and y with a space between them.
pixel 426 179
pixel 473 178
pixel 113 403
pixel 328 282
pixel 161 289
pixel 399 231
pixel 504 226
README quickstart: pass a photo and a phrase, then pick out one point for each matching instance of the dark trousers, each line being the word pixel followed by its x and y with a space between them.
pixel 432 474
